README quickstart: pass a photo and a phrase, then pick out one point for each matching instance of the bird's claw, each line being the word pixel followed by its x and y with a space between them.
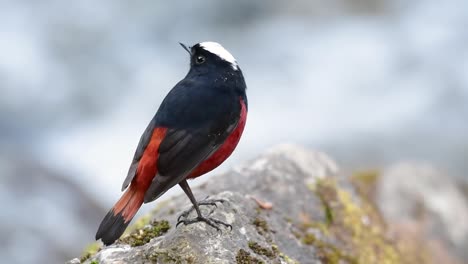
pixel 204 202
pixel 211 202
pixel 208 220
pixel 185 214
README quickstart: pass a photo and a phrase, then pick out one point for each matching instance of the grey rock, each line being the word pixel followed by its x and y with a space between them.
pixel 280 177
pixel 199 243
pixel 287 206
pixel 417 192
pixel 74 261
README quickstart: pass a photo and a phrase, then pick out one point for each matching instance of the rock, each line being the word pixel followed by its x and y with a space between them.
pixel 418 195
pixel 312 218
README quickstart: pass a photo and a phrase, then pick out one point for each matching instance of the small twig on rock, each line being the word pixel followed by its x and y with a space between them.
pixel 262 204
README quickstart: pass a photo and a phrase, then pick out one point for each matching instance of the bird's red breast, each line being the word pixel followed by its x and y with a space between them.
pixel 226 149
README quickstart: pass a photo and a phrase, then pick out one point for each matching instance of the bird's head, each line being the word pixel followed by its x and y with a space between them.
pixel 210 56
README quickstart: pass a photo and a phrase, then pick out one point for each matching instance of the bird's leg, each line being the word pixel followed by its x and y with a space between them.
pixel 200 218
pixel 206 201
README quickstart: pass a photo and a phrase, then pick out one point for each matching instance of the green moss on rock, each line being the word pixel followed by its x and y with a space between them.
pixel 274 254
pixel 146 219
pixel 156 257
pixel 90 251
pixel 365 183
pixel 353 231
pixel 261 225
pixel 244 257
pixel 142 236
pixel 270 253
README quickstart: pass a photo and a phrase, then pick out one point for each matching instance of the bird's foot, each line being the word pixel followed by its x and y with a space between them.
pixel 211 202
pixel 208 220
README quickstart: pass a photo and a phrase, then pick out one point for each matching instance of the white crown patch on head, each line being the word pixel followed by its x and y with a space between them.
pixel 220 51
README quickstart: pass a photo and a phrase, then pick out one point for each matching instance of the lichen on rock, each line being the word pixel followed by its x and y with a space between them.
pixel 143 235
pixel 354 229
pixel 244 257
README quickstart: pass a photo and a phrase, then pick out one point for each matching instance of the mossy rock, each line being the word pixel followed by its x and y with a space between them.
pixel 353 231
pixel 244 257
pixel 90 250
pixel 316 217
pixel 143 235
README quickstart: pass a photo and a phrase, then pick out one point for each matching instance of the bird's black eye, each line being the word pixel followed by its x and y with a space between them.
pixel 200 59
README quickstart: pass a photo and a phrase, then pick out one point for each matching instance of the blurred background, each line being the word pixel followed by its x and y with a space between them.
pixel 370 82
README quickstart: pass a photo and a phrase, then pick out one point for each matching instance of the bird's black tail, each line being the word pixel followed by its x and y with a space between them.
pixel 117 219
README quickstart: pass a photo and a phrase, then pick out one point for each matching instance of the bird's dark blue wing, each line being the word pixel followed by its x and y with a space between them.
pixel 180 152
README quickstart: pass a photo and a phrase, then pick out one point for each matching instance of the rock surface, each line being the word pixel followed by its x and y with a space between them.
pixel 287 206
pixel 418 195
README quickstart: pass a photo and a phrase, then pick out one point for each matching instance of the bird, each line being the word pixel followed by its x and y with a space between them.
pixel 196 128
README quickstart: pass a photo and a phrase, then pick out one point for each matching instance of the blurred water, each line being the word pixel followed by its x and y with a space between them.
pixel 370 82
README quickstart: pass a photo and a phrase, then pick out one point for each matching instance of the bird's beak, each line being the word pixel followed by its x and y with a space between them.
pixel 186 48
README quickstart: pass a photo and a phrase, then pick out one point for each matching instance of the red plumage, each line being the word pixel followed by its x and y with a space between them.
pixel 226 148
pixel 124 210
pixel 147 169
